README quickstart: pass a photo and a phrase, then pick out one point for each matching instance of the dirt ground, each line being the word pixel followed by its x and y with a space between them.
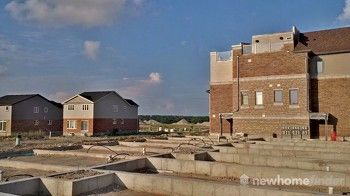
pixel 9 172
pixel 108 152
pixel 74 161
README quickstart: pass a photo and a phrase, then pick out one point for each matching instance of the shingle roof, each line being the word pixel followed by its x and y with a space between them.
pixel 13 99
pixel 131 102
pixel 96 95
pixel 325 41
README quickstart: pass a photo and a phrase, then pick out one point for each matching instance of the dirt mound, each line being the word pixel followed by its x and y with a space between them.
pixel 182 122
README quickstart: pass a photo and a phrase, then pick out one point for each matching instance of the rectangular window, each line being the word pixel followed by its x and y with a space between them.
pixel 49 122
pixel 293 96
pixel 114 121
pixel 2 125
pixel 244 98
pixel 84 125
pixel 85 107
pixel 319 66
pixel 259 98
pixel 278 96
pixel 115 108
pixel 36 110
pixel 7 108
pixel 71 124
pixel 36 122
pixel 70 107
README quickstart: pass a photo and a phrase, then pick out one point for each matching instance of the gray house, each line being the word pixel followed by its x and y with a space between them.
pixel 98 113
pixel 29 113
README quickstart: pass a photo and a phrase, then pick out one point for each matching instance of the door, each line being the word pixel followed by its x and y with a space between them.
pixel 84 125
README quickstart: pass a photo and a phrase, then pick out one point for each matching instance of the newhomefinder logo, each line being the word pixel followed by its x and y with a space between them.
pixel 276 181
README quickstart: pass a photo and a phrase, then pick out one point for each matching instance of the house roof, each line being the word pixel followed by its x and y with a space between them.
pixel 13 99
pixel 325 41
pixel 131 102
pixel 95 95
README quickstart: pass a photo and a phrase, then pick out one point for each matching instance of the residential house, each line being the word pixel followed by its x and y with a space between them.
pixel 22 114
pixel 286 84
pixel 98 113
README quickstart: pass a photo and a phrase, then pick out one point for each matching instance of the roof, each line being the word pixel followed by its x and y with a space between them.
pixel 325 41
pixel 131 102
pixel 13 99
pixel 95 95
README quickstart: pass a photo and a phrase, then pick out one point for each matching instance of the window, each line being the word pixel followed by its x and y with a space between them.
pixel 278 96
pixel 7 108
pixel 2 125
pixel 125 108
pixel 84 125
pixel 70 107
pixel 46 110
pixel 114 121
pixel 85 107
pixel 122 121
pixel 258 98
pixel 36 110
pixel 293 96
pixel 36 122
pixel 115 108
pixel 71 124
pixel 49 122
pixel 244 98
pixel 319 66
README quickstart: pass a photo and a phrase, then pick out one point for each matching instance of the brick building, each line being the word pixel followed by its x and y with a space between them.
pixel 25 114
pixel 99 113
pixel 288 84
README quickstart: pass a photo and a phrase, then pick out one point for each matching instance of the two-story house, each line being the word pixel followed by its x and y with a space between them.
pixel 21 114
pixel 286 84
pixel 98 113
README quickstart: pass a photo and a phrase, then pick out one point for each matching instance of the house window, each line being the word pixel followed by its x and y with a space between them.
pixel 85 107
pixel 70 107
pixel 71 124
pixel 115 108
pixel 258 98
pixel 84 125
pixel 122 122
pixel 2 125
pixel 319 67
pixel 125 108
pixel 244 98
pixel 49 122
pixel 36 122
pixel 278 96
pixel 46 109
pixel 293 96
pixel 7 108
pixel 36 110
pixel 114 121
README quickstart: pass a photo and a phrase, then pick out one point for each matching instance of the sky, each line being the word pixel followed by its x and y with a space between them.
pixel 155 52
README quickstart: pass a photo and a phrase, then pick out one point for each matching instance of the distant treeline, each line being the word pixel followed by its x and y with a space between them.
pixel 174 119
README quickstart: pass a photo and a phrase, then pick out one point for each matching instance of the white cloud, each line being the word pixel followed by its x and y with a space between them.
pixel 154 77
pixel 87 13
pixel 3 69
pixel 345 15
pixel 91 49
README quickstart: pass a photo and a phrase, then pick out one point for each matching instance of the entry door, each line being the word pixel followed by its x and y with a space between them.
pixel 85 125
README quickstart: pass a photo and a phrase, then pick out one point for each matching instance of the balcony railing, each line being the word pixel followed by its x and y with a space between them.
pixel 224 56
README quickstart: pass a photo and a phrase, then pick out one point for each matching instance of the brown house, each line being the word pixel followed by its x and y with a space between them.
pixel 21 114
pixel 287 84
pixel 98 113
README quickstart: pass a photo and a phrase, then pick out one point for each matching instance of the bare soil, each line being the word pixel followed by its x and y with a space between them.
pixel 77 174
pixel 10 173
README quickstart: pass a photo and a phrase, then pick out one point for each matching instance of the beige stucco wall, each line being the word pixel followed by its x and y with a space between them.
pixel 6 116
pixel 220 71
pixel 104 108
pixel 333 65
pixel 78 112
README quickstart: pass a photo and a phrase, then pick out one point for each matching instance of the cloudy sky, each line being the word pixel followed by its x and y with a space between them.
pixel 153 51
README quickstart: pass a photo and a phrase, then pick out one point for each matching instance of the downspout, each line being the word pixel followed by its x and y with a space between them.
pixel 238 89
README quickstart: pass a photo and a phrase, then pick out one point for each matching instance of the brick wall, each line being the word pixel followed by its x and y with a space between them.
pixel 104 126
pixel 332 96
pixel 77 131
pixel 27 126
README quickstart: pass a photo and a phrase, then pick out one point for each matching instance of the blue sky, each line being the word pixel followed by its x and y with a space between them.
pixel 153 51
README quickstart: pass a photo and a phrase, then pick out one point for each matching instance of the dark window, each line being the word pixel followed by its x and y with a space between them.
pixel 294 96
pixel 278 96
